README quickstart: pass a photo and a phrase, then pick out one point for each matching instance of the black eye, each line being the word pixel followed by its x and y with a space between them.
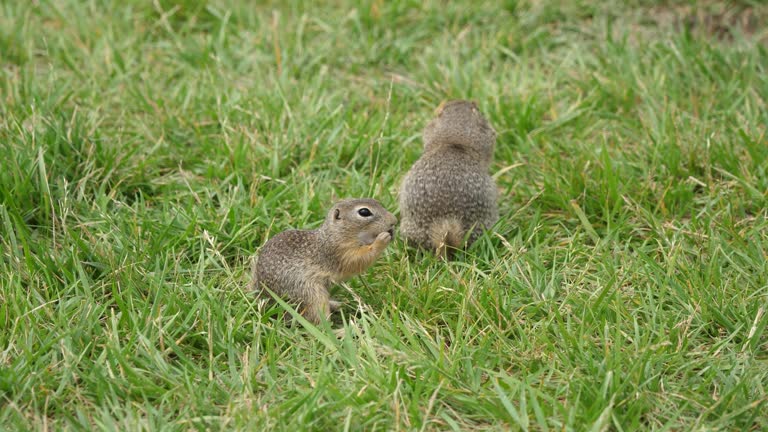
pixel 364 212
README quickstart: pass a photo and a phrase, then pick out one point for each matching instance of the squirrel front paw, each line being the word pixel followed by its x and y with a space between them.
pixel 384 238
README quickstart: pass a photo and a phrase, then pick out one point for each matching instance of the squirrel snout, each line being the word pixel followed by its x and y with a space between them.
pixel 392 225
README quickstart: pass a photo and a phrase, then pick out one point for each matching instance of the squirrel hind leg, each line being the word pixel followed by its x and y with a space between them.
pixel 316 311
pixel 335 305
pixel 414 234
pixel 314 303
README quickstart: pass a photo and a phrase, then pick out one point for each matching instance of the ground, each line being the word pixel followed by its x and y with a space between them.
pixel 149 148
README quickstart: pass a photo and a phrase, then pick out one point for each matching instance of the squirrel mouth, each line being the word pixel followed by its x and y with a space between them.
pixel 391 232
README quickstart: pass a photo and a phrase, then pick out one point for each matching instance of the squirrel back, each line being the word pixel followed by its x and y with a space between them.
pixel 448 194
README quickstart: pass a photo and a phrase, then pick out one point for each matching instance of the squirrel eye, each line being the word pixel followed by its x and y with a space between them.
pixel 364 212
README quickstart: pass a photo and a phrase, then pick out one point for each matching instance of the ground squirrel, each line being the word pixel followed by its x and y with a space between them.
pixel 448 191
pixel 301 265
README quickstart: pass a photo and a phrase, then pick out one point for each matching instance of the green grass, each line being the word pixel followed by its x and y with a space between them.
pixel 149 148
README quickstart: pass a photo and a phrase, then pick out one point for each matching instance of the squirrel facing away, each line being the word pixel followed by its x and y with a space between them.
pixel 301 265
pixel 448 192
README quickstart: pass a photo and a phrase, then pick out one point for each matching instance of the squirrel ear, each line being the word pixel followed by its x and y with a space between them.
pixel 337 214
pixel 439 109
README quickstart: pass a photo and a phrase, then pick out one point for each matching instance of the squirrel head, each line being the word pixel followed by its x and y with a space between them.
pixel 460 123
pixel 358 221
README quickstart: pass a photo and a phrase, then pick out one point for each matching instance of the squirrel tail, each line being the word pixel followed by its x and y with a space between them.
pixel 444 234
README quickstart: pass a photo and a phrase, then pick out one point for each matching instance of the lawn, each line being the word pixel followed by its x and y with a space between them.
pixel 149 148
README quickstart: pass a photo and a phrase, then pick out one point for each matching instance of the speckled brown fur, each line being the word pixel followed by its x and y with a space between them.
pixel 301 265
pixel 448 191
